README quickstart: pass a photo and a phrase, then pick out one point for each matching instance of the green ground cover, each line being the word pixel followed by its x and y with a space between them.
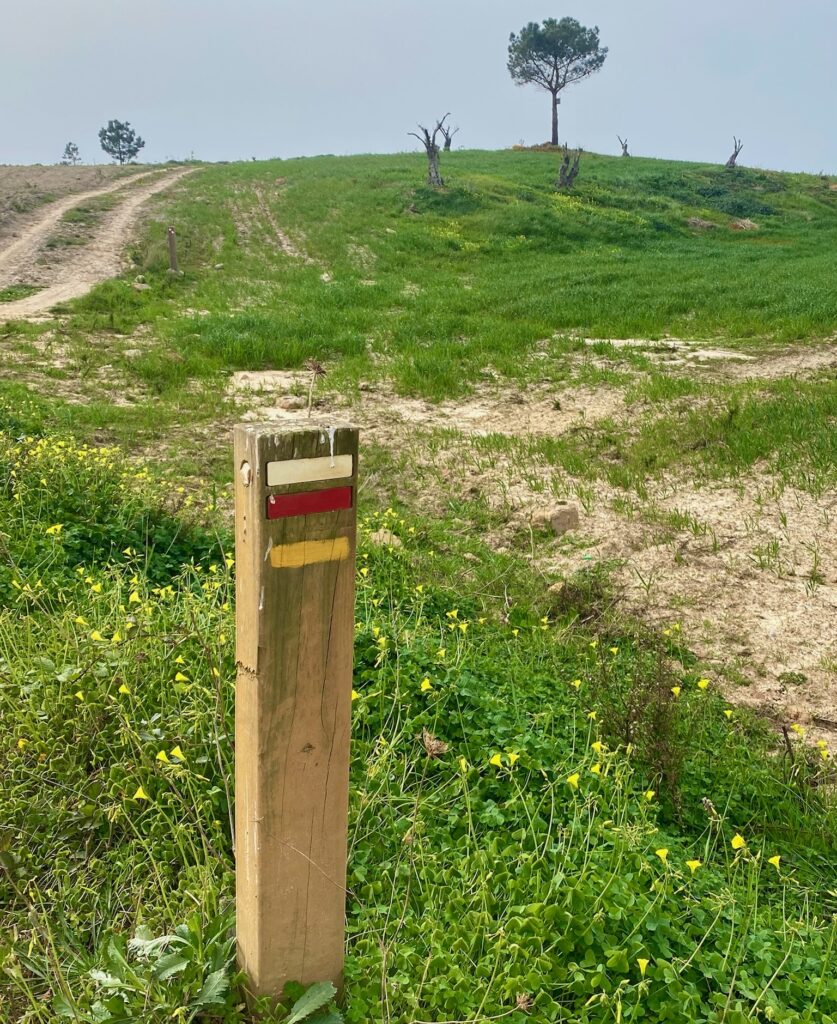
pixel 571 853
pixel 595 838
pixel 435 288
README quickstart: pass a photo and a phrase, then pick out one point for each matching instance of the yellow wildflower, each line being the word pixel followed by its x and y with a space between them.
pixel 134 598
pixel 22 743
pixel 798 729
pixel 180 660
pixel 96 588
pixel 702 684
pixel 676 691
pixel 728 712
pixel 81 621
pixel 180 678
pixel 598 746
pixel 163 756
pixel 453 613
pixel 79 695
pixel 441 653
pixel 693 865
pixel 596 769
pixel 614 650
pixel 496 760
pixel 178 753
pixel 463 764
pixel 515 632
pixel 591 715
pixel 650 794
pixel 738 842
pixel 124 689
pixel 426 685
pixel 116 638
pixel 215 673
pixel 662 853
pixel 55 529
pixel 775 861
pixel 576 683
pixel 140 794
pixel 643 963
pixel 512 756
pixel 355 695
pixel 97 636
pixel 572 780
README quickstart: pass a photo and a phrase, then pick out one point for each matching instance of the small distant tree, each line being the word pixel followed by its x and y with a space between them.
pixel 71 154
pixel 431 147
pixel 624 144
pixel 120 141
pixel 739 145
pixel 448 133
pixel 554 55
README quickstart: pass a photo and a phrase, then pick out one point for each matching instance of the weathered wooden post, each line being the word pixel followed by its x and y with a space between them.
pixel 172 238
pixel 295 494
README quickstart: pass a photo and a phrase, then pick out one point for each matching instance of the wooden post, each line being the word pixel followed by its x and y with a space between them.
pixel 295 568
pixel 172 237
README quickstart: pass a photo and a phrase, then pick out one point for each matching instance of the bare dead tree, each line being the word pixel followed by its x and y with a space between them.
pixel 739 145
pixel 624 144
pixel 568 171
pixel 431 147
pixel 448 133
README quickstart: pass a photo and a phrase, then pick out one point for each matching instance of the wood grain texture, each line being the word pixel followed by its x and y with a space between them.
pixel 294 639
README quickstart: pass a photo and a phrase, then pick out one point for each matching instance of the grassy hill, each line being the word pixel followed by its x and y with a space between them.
pixel 604 837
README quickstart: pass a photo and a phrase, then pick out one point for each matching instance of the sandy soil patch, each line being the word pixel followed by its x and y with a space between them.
pixel 749 570
pixel 679 354
pixel 385 415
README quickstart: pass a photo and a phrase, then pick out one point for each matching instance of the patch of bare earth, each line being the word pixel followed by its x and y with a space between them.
pixel 677 354
pixel 275 396
pixel 749 569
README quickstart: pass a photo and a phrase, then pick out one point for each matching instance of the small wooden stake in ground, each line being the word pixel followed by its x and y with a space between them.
pixel 172 237
pixel 294 638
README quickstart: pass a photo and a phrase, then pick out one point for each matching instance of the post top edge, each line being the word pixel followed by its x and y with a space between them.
pixel 292 427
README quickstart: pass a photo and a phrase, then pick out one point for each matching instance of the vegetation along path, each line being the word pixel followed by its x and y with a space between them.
pixel 96 260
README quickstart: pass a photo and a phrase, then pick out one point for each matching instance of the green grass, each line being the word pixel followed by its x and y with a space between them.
pixel 18 291
pixel 519 869
pixel 433 287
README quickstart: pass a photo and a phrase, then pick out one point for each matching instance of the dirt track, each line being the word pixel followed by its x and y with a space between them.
pixel 96 261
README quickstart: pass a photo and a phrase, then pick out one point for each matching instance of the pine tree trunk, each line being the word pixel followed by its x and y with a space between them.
pixel 555 102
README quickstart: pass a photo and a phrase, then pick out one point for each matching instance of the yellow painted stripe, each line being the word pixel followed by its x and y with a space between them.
pixel 309 552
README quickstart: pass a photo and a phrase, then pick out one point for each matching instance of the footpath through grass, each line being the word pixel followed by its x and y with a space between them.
pixel 553 816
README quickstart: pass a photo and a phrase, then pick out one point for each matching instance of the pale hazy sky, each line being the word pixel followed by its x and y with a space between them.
pixel 231 79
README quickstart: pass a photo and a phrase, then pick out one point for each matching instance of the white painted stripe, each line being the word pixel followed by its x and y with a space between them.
pixel 307 471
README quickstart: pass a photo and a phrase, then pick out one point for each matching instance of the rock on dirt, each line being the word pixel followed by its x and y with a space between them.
pixel 560 518
pixel 292 402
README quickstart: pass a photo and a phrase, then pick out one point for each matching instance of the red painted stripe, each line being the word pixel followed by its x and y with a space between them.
pixel 309 502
